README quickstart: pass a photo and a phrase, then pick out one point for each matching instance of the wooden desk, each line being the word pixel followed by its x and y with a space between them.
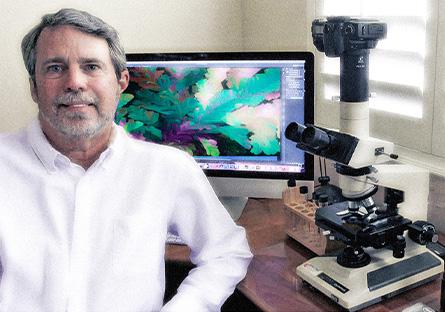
pixel 271 282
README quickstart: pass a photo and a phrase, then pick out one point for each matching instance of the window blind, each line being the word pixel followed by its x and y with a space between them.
pixel 401 70
pixel 439 108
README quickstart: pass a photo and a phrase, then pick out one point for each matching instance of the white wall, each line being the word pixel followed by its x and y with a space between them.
pixel 278 25
pixel 148 25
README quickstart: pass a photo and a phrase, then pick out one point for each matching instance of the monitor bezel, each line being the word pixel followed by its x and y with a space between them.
pixel 307 57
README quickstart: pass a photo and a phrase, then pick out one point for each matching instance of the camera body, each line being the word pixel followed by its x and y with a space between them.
pixel 350 39
pixel 339 34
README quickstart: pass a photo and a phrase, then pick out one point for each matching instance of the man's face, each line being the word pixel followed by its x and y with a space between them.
pixel 75 87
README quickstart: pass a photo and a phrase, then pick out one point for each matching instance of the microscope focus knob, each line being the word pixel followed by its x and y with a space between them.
pixel 423 232
pixel 399 245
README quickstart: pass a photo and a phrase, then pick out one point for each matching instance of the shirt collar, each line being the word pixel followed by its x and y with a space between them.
pixel 52 159
pixel 115 147
pixel 41 147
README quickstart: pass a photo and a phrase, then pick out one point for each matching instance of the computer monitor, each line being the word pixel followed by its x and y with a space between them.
pixel 228 110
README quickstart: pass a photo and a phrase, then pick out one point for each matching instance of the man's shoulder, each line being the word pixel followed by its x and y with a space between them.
pixel 9 140
pixel 13 147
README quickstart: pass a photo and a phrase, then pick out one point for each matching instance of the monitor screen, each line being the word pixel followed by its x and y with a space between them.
pixel 228 110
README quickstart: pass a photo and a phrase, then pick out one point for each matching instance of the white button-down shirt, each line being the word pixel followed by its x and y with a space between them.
pixel 76 240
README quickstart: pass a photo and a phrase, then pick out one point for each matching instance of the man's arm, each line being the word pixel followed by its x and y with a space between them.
pixel 219 247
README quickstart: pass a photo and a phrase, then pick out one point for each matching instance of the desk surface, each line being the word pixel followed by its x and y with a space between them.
pixel 271 282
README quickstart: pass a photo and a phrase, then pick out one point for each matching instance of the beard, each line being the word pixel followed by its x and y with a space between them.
pixel 77 124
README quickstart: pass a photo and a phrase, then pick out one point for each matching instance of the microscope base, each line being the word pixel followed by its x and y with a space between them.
pixel 383 278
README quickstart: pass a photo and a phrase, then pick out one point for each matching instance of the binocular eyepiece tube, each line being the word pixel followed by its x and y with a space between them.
pixel 309 136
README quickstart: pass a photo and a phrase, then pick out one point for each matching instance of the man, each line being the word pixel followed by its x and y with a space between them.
pixel 85 210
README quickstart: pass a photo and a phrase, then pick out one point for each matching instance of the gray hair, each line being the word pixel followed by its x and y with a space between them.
pixel 82 21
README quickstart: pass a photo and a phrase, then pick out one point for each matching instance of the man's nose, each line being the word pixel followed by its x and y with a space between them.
pixel 75 80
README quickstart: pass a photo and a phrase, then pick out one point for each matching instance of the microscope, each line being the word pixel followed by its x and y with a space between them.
pixel 386 249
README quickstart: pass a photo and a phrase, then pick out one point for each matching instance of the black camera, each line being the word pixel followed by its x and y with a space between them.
pixel 350 39
pixel 339 34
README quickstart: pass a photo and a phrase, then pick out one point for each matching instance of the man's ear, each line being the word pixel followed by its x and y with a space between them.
pixel 124 80
pixel 33 89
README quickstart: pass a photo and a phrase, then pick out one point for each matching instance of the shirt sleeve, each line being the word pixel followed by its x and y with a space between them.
pixel 219 247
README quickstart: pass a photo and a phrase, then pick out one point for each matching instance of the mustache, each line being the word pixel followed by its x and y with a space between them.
pixel 73 98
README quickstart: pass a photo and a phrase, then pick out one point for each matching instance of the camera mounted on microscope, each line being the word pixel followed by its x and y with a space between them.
pixel 350 39
pixel 341 34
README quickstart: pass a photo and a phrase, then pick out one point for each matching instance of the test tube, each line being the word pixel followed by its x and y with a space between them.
pixel 304 191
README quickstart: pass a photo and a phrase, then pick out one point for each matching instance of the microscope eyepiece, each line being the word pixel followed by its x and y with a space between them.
pixel 294 131
pixel 309 136
pixel 322 142
pixel 316 138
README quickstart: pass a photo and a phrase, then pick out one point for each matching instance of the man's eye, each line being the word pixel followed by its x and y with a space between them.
pixel 54 69
pixel 92 67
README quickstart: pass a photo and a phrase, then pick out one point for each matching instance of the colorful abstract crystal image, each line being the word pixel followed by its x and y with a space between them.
pixel 206 111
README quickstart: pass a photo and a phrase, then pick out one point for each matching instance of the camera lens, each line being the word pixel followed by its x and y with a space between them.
pixel 349 29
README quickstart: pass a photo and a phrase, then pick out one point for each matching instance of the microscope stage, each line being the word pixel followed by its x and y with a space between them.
pixel 383 278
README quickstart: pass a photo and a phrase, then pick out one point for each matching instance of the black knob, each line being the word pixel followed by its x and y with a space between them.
pixel 422 232
pixel 323 200
pixel 399 247
pixel 393 197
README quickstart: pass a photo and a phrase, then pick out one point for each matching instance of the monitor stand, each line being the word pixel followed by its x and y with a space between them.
pixel 234 205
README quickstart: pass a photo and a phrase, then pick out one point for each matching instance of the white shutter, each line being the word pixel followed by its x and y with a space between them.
pixel 439 109
pixel 401 70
